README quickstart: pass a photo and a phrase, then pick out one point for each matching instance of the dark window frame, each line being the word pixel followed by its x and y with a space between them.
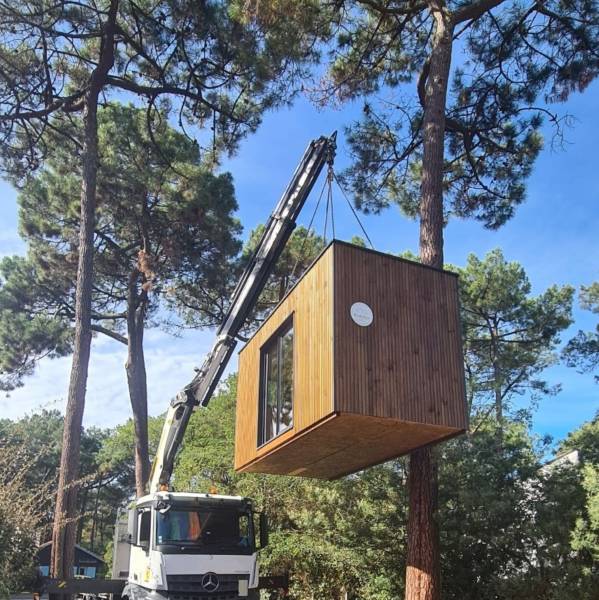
pixel 275 339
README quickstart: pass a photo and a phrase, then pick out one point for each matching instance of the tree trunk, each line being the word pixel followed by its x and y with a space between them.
pixel 423 571
pixel 92 537
pixel 431 193
pixel 497 383
pixel 82 510
pixel 63 536
pixel 498 404
pixel 101 528
pixel 64 529
pixel 498 394
pixel 137 382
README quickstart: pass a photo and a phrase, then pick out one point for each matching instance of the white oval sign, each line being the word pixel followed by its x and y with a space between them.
pixel 361 314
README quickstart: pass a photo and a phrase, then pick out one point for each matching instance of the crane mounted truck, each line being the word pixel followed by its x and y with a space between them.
pixel 188 546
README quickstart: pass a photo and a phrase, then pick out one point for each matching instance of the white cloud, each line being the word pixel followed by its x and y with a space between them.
pixel 10 243
pixel 170 365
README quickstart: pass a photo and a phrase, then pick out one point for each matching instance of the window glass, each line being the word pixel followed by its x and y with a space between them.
pixel 276 396
pixel 286 418
pixel 245 533
pixel 204 529
pixel 244 526
pixel 272 373
pixel 144 527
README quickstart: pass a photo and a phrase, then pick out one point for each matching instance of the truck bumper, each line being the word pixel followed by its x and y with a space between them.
pixel 138 592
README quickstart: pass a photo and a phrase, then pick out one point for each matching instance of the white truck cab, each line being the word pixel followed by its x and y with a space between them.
pixel 185 546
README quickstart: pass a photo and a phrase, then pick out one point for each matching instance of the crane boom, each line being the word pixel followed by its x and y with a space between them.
pixel 276 233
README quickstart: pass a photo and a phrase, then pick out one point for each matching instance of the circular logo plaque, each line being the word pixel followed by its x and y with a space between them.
pixel 361 314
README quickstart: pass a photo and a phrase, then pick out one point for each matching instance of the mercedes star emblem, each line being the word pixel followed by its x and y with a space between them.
pixel 210 582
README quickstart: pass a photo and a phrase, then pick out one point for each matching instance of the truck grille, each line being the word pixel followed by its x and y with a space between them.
pixel 189 587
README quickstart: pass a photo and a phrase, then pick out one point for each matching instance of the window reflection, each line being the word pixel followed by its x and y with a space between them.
pixel 276 385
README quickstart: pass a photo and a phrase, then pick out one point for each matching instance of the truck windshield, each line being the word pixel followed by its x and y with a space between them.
pixel 205 531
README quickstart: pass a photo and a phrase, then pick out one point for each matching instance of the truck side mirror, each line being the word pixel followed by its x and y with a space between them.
pixel 132 526
pixel 263 530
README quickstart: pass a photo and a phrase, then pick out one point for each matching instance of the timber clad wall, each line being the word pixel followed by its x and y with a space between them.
pixel 361 395
pixel 408 364
pixel 311 304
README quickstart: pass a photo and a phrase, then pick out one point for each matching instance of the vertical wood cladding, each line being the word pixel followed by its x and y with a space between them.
pixel 310 303
pixel 408 363
pixel 361 394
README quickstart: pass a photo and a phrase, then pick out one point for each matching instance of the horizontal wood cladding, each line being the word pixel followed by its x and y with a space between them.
pixel 361 394
pixel 408 363
pixel 311 304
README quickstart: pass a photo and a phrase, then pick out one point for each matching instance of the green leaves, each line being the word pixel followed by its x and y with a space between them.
pixel 582 351
pixel 155 195
pixel 21 519
pixel 212 67
pixel 585 440
pixel 301 250
pixel 509 335
pixel 330 535
pixel 585 538
pixel 32 326
pixel 510 528
pixel 30 452
pixel 512 60
pixel 115 455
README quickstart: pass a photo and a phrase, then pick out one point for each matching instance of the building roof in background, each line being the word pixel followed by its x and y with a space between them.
pixel 570 458
pixel 77 547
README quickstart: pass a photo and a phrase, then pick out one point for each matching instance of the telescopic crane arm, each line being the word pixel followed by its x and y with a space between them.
pixel 276 233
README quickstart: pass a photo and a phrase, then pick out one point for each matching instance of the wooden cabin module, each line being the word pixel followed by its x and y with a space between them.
pixel 361 362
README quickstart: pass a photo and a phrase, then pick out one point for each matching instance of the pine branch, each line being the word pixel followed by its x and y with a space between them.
pixel 394 11
pixel 474 10
pixel 111 334
pixel 158 90
pixel 69 103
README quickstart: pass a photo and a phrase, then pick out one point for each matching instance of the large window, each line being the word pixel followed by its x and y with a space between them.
pixel 189 530
pixel 276 384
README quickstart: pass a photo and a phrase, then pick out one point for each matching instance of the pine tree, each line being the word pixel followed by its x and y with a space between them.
pixel 202 60
pixel 462 144
pixel 510 336
pixel 164 236
pixel 582 351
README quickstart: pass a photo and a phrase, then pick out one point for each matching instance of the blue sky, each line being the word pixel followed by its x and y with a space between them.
pixel 554 235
